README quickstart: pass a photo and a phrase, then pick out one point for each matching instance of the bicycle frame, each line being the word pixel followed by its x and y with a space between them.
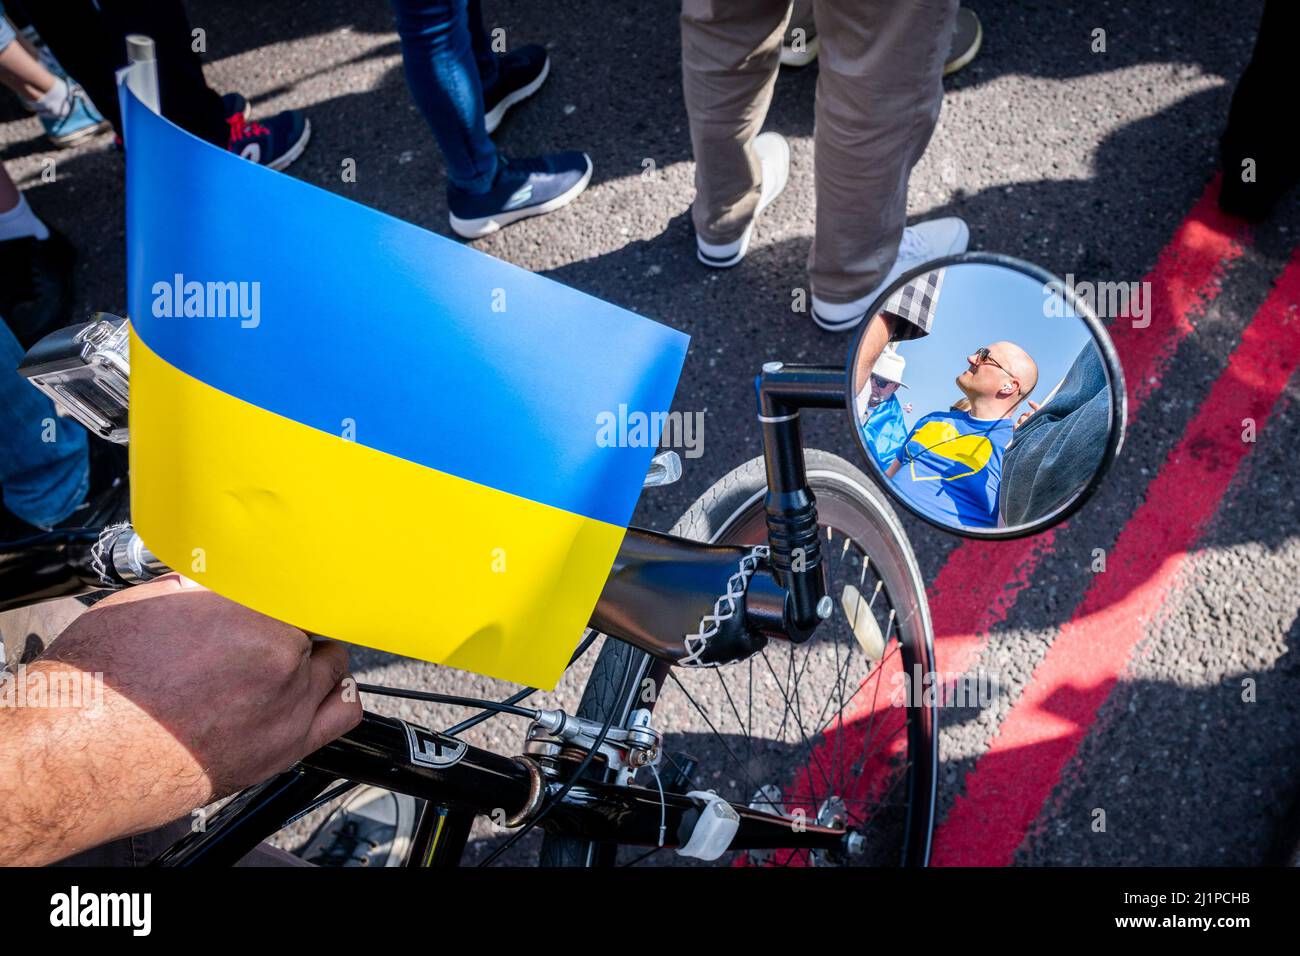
pixel 478 782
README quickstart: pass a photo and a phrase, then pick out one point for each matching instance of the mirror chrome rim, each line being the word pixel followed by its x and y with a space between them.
pixel 1109 358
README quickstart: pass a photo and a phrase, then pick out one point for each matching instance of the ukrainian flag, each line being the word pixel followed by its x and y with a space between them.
pixel 368 430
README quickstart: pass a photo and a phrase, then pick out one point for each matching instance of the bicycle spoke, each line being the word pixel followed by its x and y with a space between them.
pixel 876 671
pixel 806 743
pixel 749 737
pixel 867 756
pixel 722 740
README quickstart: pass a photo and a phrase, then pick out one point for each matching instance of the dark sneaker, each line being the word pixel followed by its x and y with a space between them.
pixel 520 74
pixel 523 188
pixel 274 143
pixel 967 35
pixel 372 827
pixel 234 106
pixel 42 560
pixel 36 288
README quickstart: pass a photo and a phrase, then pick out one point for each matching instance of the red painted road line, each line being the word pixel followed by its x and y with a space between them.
pixel 1017 774
pixel 979 583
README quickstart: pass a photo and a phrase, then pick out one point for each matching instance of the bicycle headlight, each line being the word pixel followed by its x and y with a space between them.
pixel 84 369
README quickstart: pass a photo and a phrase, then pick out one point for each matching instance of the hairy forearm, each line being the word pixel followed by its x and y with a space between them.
pixel 880 329
pixel 72 778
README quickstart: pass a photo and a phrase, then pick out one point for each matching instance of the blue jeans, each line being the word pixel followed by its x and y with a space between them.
pixel 449 62
pixel 44 462
pixel 1057 450
pixel 7 35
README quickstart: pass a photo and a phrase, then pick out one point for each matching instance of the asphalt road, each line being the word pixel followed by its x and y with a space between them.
pixel 1123 695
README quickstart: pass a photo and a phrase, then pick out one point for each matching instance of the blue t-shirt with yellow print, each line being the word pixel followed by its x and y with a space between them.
pixel 951 467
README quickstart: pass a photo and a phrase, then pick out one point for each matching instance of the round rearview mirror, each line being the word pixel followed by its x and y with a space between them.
pixel 986 396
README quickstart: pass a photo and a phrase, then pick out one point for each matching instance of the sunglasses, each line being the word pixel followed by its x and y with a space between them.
pixel 982 358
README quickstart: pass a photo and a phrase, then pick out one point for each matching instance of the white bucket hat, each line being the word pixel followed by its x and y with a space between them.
pixel 890 366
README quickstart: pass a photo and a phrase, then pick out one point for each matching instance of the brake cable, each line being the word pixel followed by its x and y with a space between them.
pixel 490 708
pixel 500 707
pixel 524 694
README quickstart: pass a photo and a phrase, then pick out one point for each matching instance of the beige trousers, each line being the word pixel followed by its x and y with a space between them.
pixel 879 91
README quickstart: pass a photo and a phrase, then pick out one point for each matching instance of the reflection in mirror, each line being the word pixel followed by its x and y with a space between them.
pixel 981 397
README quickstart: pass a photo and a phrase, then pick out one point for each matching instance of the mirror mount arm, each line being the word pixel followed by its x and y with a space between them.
pixel 784 389
pixel 796 558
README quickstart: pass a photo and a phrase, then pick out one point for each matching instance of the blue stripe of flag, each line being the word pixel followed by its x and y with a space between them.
pixel 429 350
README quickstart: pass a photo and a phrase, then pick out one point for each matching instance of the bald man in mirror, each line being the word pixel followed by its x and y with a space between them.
pixel 950 466
pixel 997 379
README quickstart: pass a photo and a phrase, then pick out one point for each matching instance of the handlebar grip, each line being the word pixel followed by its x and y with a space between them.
pixel 122 557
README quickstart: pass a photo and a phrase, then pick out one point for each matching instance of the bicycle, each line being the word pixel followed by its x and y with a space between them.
pixel 791 574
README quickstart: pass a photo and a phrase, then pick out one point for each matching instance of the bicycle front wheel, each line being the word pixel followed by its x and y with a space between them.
pixel 834 730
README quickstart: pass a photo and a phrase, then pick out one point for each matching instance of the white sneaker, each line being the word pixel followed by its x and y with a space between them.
pixel 774 159
pixel 928 240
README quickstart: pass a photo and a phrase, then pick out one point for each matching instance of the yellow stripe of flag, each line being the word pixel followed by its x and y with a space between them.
pixel 341 529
